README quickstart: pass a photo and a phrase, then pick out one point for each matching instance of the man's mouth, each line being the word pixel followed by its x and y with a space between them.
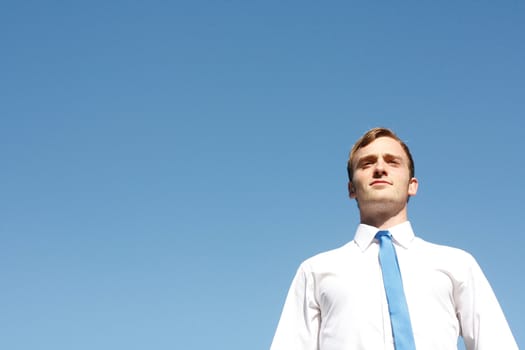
pixel 379 182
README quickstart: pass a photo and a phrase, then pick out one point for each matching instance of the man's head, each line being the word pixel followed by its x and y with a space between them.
pixel 368 138
pixel 381 173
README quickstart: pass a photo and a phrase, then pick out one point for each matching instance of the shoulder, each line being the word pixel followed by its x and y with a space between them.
pixel 442 250
pixel 451 260
pixel 328 260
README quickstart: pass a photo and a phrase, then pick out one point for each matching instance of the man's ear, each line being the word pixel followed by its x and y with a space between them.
pixel 412 186
pixel 351 189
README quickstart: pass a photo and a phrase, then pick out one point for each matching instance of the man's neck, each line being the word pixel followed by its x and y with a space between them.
pixel 384 220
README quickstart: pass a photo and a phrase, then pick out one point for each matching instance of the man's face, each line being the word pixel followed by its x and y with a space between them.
pixel 381 175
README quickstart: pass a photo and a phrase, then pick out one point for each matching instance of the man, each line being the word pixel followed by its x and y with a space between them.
pixel 350 298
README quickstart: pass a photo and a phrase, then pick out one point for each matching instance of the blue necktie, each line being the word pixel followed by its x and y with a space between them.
pixel 397 305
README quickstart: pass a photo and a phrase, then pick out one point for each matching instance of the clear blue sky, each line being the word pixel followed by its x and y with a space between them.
pixel 166 166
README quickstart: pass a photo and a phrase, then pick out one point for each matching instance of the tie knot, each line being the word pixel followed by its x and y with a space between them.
pixel 382 234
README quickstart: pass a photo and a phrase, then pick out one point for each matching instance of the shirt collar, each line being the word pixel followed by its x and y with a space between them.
pixel 402 234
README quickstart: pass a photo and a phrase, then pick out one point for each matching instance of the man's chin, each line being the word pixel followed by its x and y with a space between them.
pixel 381 204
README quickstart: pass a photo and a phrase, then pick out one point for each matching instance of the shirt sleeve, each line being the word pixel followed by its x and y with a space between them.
pixel 483 324
pixel 298 327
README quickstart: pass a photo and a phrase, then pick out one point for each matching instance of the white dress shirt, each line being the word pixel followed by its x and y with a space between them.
pixel 337 300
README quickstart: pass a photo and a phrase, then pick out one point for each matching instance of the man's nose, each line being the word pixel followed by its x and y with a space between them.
pixel 380 168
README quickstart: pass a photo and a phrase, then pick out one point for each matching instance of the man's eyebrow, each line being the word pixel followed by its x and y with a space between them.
pixel 392 156
pixel 373 157
pixel 366 157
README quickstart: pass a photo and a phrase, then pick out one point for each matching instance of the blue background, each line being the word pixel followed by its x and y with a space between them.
pixel 166 166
